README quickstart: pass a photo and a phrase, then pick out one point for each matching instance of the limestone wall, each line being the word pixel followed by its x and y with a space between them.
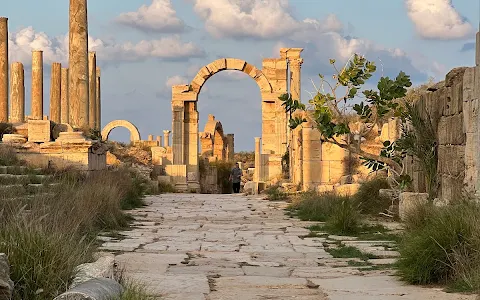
pixel 451 106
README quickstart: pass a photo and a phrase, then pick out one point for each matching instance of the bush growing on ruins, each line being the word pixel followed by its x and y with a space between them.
pixel 441 245
pixel 6 128
pixel 275 194
pixel 8 156
pixel 369 199
pixel 331 111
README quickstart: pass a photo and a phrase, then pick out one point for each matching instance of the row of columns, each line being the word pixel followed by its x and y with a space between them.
pixel 75 95
pixel 166 139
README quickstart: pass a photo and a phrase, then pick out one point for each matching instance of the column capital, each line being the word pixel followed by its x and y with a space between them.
pixel 166 132
pixel 258 139
pixel 296 62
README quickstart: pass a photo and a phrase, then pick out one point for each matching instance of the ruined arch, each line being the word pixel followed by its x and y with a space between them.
pixel 273 80
pixel 213 141
pixel 134 133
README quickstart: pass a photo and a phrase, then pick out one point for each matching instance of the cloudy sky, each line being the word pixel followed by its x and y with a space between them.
pixel 144 47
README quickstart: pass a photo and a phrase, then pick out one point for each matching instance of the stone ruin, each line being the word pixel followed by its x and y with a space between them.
pixel 75 102
pixel 215 145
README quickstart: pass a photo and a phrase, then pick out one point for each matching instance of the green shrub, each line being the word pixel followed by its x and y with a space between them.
pixel 312 206
pixel 345 217
pixel 442 245
pixel 164 188
pixel 135 291
pixel 275 194
pixel 224 169
pixel 369 198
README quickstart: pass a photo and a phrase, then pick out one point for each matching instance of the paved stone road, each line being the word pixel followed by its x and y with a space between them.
pixel 197 247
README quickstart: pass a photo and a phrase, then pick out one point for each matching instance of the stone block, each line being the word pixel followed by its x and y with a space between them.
pixel 451 188
pixel 387 193
pixel 235 64
pixel 178 173
pixel 95 289
pixel 455 76
pixel 409 201
pixel 103 267
pixel 450 130
pixel 451 159
pixel 332 152
pixel 13 139
pixel 39 131
pixel 325 188
pixel 347 189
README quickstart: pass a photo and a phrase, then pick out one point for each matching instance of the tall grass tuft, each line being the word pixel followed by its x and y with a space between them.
pixel 442 245
pixel 47 235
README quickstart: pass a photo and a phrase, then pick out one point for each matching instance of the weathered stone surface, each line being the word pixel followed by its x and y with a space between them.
pixel 409 201
pixel 102 268
pixel 39 131
pixel 6 284
pixel 3 70
pixel 17 93
pixel 94 289
pixel 56 93
pixel 37 85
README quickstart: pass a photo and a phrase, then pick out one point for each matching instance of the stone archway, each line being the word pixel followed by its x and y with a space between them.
pixel 134 133
pixel 272 81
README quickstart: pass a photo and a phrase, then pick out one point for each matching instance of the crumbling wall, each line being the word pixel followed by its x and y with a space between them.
pixel 451 107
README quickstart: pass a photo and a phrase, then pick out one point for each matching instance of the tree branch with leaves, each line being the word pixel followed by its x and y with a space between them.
pixel 330 110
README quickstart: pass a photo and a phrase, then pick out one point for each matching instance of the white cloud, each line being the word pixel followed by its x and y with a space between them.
pixel 438 19
pixel 258 19
pixel 55 49
pixel 160 16
pixel 176 80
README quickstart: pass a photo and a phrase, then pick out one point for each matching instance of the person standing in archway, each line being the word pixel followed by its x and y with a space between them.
pixel 235 178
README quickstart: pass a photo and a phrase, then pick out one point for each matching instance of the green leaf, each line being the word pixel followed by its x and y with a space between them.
pixel 332 61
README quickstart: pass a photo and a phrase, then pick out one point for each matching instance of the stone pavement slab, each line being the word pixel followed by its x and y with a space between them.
pixel 232 247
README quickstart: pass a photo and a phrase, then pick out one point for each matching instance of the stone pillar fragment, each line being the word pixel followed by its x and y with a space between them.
pixel 78 64
pixel 159 141
pixel 3 69
pixel 37 85
pixel 64 107
pixel 98 102
pixel 477 50
pixel 92 86
pixel 17 93
pixel 312 157
pixel 295 79
pixel 150 137
pixel 258 161
pixel 55 93
pixel 166 138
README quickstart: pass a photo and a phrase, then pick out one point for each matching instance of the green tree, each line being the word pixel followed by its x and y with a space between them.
pixel 331 111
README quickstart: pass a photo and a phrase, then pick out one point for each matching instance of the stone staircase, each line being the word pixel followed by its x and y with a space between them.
pixel 17 181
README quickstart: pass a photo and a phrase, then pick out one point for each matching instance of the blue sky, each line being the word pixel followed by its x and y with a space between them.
pixel 145 46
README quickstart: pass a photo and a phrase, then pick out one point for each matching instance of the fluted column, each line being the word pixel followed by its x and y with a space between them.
pixel 296 78
pixel 92 86
pixel 3 69
pixel 64 111
pixel 17 93
pixel 56 93
pixel 78 64
pixel 37 85
pixel 98 102
pixel 166 138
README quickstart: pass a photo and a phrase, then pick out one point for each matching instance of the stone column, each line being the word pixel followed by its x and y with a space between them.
pixel 37 85
pixel 64 110
pixel 98 103
pixel 166 138
pixel 230 146
pixel 78 63
pixel 159 141
pixel 92 86
pixel 312 157
pixel 477 49
pixel 17 93
pixel 258 160
pixel 295 79
pixel 56 93
pixel 150 137
pixel 3 69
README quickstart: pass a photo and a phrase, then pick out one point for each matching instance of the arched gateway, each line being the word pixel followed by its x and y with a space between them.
pixel 134 133
pixel 272 81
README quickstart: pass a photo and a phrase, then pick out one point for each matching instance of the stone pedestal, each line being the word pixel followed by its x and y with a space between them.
pixel 3 70
pixel 39 131
pixel 71 137
pixel 64 110
pixel 14 139
pixel 92 87
pixel 37 85
pixel 312 158
pixel 78 64
pixel 17 93
pixel 55 93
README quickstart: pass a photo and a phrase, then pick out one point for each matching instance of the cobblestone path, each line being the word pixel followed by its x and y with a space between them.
pixel 230 247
